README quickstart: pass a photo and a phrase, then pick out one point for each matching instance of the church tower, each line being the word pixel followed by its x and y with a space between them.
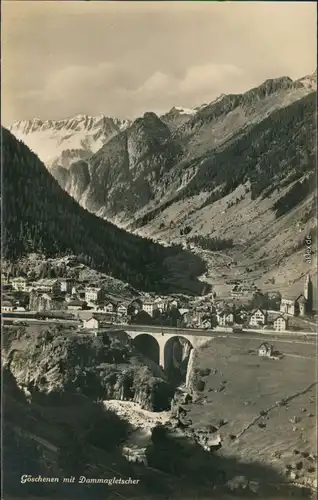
pixel 308 293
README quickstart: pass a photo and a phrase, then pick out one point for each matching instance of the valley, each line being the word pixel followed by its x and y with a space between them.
pixel 222 170
pixel 160 281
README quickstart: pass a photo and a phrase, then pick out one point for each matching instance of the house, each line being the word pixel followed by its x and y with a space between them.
pixel 4 278
pixel 174 303
pixel 93 294
pixel 185 316
pixel 258 317
pixel 91 323
pixel 149 307
pixel 122 310
pixel 184 313
pixel 242 314
pixel 280 323
pixel 68 297
pixel 300 304
pixel 235 290
pixel 110 307
pixel 206 323
pixel 67 285
pixel 75 305
pixel 196 319
pixel 6 306
pixel 161 304
pixel 293 306
pixel 107 307
pixel 225 318
pixel 265 349
pixel 19 284
pixel 47 285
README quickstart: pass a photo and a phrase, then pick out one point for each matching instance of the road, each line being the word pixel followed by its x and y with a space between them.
pixel 295 336
pixel 40 321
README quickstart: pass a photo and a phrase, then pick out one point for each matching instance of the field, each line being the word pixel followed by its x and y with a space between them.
pixel 244 390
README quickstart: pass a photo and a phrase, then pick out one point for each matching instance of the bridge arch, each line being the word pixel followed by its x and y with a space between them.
pixel 170 354
pixel 177 351
pixel 148 345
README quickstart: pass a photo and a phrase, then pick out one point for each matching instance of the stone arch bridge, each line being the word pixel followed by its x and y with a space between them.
pixel 158 343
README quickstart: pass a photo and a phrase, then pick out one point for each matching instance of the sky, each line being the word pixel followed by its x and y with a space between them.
pixel 122 59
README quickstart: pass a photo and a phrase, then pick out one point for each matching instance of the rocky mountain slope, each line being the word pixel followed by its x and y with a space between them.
pixel 125 168
pixel 231 168
pixel 40 217
pixel 178 116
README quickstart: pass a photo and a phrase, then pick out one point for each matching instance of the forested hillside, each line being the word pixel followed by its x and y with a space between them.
pixel 38 216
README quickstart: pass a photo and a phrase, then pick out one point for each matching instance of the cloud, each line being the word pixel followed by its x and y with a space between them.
pixel 158 82
pixel 64 58
pixel 76 80
pixel 205 76
pixel 197 79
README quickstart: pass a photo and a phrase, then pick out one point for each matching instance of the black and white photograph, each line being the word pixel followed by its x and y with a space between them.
pixel 159 250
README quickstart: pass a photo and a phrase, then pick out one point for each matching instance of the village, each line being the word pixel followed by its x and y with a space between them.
pixel 90 303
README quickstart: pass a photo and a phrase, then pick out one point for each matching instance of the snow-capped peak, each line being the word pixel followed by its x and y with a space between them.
pixel 185 111
pixel 82 133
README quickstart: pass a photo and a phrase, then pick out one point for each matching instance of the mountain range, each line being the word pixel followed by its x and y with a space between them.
pixel 228 169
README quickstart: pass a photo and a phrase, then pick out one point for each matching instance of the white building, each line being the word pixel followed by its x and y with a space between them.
pixel 93 294
pixel 109 308
pixel 161 304
pixel 196 319
pixel 298 305
pixel 258 318
pixel 265 349
pixel 122 310
pixel 67 285
pixel 206 324
pixel 19 284
pixel 280 323
pixel 6 306
pixel 225 318
pixel 149 307
pixel 174 303
pixel 91 323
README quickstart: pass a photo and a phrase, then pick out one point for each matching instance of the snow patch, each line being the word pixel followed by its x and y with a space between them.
pixel 185 111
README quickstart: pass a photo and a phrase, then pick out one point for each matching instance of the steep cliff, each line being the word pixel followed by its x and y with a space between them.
pixel 124 173
pixel 104 367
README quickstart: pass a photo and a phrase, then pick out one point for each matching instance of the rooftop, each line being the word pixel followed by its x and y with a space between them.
pixel 45 282
pixel 75 302
pixel 6 303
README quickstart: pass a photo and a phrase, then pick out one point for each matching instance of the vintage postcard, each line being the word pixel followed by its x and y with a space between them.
pixel 159 250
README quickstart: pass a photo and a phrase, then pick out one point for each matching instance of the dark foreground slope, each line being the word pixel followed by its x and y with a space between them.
pixel 39 216
pixel 54 426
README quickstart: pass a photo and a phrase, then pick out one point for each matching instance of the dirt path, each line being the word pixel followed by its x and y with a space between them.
pixel 276 405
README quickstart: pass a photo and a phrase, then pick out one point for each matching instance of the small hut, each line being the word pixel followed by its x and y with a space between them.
pixel 265 349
